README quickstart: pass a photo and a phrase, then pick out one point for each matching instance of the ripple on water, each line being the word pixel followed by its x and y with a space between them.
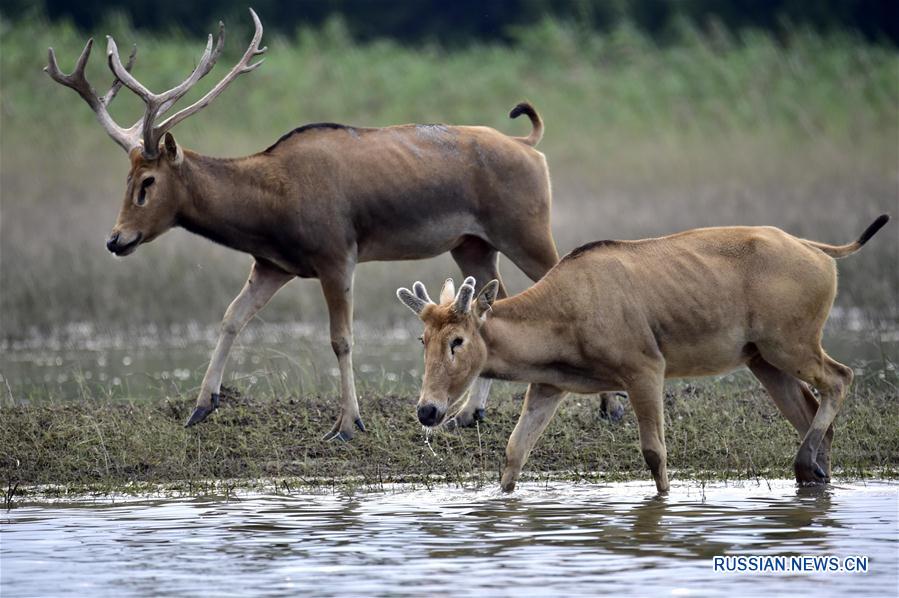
pixel 545 539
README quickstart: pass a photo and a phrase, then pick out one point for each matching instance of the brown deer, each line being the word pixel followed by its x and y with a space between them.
pixel 324 198
pixel 626 315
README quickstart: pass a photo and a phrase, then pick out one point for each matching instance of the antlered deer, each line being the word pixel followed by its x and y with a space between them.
pixel 324 198
pixel 626 315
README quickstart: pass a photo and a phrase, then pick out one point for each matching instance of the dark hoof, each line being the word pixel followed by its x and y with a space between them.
pixel 359 424
pixel 810 474
pixel 611 408
pixel 617 414
pixel 464 420
pixel 200 413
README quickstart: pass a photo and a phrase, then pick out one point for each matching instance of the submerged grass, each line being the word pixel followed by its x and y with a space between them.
pixel 722 429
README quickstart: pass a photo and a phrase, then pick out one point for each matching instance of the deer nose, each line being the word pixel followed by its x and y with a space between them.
pixel 112 242
pixel 428 415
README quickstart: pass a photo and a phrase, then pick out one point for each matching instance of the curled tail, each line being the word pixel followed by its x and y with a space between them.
pixel 537 134
pixel 838 251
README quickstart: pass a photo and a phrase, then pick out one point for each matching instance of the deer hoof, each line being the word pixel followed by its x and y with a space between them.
pixel 617 414
pixel 465 420
pixel 359 424
pixel 810 474
pixel 200 412
pixel 611 409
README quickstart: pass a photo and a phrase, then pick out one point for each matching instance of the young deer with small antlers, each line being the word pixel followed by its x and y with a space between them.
pixel 323 198
pixel 626 315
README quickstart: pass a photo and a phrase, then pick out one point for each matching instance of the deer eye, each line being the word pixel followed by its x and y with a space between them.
pixel 142 195
pixel 456 343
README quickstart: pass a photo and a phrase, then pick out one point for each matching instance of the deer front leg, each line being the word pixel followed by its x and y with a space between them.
pixel 540 405
pixel 646 394
pixel 338 290
pixel 263 282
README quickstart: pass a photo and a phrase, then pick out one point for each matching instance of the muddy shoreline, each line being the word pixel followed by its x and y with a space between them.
pixel 716 430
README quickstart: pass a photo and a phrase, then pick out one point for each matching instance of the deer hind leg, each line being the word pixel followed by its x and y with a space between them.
pixel 475 257
pixel 263 282
pixel 337 287
pixel 540 404
pixel 646 398
pixel 832 379
pixel 795 401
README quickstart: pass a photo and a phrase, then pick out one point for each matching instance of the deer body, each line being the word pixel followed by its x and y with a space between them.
pixel 329 192
pixel 626 315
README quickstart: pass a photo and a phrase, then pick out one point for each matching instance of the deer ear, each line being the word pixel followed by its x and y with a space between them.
pixel 172 149
pixel 411 301
pixel 419 289
pixel 486 297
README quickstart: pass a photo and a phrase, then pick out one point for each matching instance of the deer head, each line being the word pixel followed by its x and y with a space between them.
pixel 154 187
pixel 455 352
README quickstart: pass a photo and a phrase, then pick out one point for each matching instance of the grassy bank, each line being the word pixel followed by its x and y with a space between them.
pixel 642 140
pixel 725 429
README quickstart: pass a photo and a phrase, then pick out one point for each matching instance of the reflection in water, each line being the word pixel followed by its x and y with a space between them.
pixel 546 540
pixel 83 361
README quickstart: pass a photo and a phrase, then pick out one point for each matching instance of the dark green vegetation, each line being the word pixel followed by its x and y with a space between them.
pixel 725 429
pixel 463 20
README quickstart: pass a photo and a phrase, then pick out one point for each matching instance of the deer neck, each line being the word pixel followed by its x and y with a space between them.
pixel 228 202
pixel 518 344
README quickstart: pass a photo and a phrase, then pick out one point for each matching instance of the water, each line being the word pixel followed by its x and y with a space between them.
pixel 82 361
pixel 554 540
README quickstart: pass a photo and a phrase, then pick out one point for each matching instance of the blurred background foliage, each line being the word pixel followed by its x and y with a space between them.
pixel 660 116
pixel 462 21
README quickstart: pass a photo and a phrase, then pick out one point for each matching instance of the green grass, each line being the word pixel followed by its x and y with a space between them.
pixel 641 140
pixel 718 429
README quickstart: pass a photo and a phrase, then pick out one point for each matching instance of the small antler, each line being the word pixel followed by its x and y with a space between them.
pixel 462 302
pixel 145 132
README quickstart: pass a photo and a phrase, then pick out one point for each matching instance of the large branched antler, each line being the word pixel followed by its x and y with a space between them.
pixel 243 66
pixel 127 138
pixel 145 133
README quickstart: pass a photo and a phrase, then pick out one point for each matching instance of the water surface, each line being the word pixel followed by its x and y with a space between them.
pixel 544 540
pixel 82 361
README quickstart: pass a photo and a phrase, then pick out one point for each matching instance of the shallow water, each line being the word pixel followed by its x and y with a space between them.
pixel 544 540
pixel 82 361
